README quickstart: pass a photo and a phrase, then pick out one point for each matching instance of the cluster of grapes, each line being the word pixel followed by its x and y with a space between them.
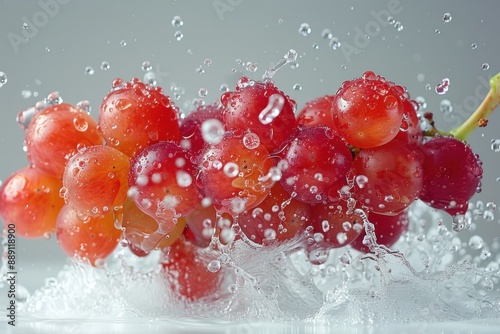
pixel 247 167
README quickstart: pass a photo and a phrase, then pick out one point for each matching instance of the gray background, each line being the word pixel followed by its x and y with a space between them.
pixel 64 40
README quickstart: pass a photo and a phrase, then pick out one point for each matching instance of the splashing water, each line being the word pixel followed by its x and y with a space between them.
pixel 429 278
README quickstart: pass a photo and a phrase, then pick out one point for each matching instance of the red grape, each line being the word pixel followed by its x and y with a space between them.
pixel 388 178
pixel 410 131
pixel 315 162
pixel 388 230
pixel 161 177
pixel 30 199
pixel 234 176
pixel 452 174
pixel 278 217
pixel 186 271
pixel 191 127
pixel 141 230
pixel 58 132
pixel 334 224
pixel 134 115
pixel 91 239
pixel 317 112
pixel 260 106
pixel 96 180
pixel 368 111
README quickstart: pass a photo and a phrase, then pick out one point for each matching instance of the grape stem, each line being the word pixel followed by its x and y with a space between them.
pixel 490 102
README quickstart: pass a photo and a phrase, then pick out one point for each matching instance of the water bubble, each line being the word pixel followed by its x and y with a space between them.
pixel 177 22
pixel 491 206
pixel 203 92
pixel 273 109
pixel 251 140
pixel 447 17
pixel 445 106
pixel 326 34
pixel 485 66
pixel 207 61
pixel 476 242
pixel 212 131
pixel 297 87
pixel 488 215
pixel 495 145
pixel 334 43
pixel 123 43
pixel 473 46
pixel 178 35
pixel 3 78
pixel 443 86
pixel 105 66
pixel 89 70
pixel 213 266
pixel 305 29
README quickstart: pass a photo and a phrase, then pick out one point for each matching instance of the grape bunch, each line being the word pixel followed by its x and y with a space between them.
pixel 247 167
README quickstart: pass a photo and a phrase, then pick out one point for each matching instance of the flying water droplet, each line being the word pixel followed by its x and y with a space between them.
pixel 327 34
pixel 213 266
pixel 305 29
pixel 297 87
pixel 105 66
pixel 203 92
pixel 473 46
pixel 146 66
pixel 123 43
pixel 447 17
pixel 89 70
pixel 443 86
pixel 398 26
pixel 177 22
pixel 445 106
pixel 495 145
pixel 476 242
pixel 334 43
pixel 178 35
pixel 485 66
pixel 3 78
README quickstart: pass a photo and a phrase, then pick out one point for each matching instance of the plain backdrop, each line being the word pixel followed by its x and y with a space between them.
pixel 47 45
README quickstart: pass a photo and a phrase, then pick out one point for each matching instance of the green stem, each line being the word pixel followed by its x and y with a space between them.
pixel 490 102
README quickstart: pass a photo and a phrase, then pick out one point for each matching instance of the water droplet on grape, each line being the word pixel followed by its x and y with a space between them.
pixel 212 131
pixel 251 140
pixel 273 109
pixel 80 124
pixel 305 29
pixel 231 169
pixel 361 180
